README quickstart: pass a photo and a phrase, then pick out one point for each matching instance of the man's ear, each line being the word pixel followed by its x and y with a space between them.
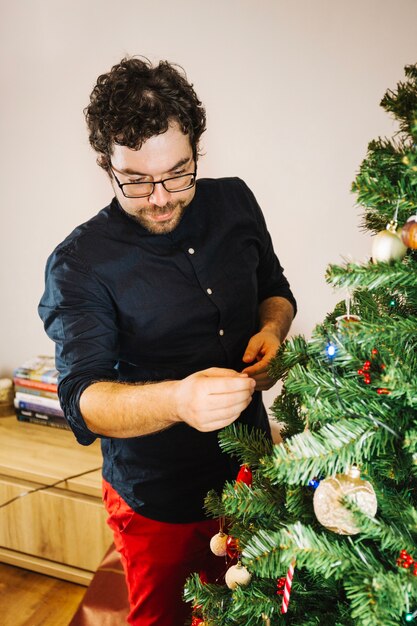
pixel 104 162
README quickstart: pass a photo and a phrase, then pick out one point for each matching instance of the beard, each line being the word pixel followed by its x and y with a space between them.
pixel 144 217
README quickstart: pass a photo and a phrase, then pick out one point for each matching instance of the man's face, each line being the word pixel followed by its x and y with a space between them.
pixel 162 156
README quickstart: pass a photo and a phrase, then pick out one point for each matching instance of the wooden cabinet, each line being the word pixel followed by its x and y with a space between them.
pixel 60 531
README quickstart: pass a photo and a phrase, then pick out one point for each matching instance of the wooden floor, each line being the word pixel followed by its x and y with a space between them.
pixel 29 599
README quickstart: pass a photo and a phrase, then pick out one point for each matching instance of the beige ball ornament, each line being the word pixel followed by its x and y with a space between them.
pixel 387 245
pixel 328 508
pixel 218 544
pixel 237 576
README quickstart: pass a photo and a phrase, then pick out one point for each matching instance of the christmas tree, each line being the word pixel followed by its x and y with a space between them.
pixel 322 528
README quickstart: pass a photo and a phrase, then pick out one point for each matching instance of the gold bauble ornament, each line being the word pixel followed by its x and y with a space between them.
pixel 218 544
pixel 387 245
pixel 328 508
pixel 237 575
pixel 342 321
pixel 409 232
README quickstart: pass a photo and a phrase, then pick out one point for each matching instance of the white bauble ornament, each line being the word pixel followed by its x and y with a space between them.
pixel 237 575
pixel 218 544
pixel 387 245
pixel 327 501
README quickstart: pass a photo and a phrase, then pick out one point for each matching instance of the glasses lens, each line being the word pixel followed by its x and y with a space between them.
pixel 179 182
pixel 137 190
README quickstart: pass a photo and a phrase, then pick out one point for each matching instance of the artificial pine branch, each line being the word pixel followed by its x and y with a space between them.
pixel 285 409
pixel 290 353
pixel 373 276
pixel 386 535
pixel 248 445
pixel 402 102
pixel 251 504
pixel 268 554
pixel 376 600
pixel 332 449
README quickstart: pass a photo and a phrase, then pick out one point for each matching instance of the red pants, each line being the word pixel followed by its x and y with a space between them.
pixel 157 558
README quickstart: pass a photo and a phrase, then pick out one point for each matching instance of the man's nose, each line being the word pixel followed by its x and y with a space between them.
pixel 160 196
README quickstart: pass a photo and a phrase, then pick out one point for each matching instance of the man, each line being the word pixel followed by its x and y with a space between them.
pixel 166 308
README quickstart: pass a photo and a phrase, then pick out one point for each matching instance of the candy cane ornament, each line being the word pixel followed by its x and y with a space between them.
pixel 287 587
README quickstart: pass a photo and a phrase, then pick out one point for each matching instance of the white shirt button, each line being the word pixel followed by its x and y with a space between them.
pixel 221 332
pixel 209 291
pixel 191 250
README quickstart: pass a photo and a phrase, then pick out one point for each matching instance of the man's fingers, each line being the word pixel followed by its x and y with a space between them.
pixel 216 372
pixel 213 398
pixel 225 401
pixel 222 418
pixel 226 385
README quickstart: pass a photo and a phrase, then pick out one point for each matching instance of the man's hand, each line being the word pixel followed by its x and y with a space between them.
pixel 212 399
pixel 262 347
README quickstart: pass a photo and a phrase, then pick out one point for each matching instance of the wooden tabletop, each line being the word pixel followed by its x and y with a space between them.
pixel 45 455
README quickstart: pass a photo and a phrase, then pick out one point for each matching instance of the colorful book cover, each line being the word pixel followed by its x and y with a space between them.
pixel 40 368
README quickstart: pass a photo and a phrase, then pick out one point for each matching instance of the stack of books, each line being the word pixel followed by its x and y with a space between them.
pixel 36 398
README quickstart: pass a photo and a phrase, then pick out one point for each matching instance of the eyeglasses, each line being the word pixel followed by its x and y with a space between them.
pixel 146 189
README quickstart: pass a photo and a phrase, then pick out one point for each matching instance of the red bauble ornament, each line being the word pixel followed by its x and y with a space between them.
pixel 245 475
pixel 232 547
pixel 203 578
pixel 409 233
pixel 197 621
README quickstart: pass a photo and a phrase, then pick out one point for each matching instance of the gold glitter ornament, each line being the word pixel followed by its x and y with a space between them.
pixel 409 232
pixel 329 509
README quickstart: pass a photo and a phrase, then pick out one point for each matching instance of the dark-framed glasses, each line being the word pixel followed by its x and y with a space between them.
pixel 145 189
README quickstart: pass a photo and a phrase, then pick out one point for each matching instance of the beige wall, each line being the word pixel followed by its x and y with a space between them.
pixel 292 90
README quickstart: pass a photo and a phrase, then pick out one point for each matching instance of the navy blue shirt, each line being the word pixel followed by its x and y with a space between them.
pixel 123 304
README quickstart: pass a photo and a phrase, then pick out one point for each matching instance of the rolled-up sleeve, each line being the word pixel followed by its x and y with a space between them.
pixel 271 279
pixel 78 315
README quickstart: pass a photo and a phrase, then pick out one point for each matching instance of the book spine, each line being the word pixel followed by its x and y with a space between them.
pixel 38 400
pixel 35 384
pixel 30 406
pixel 35 417
pixel 35 392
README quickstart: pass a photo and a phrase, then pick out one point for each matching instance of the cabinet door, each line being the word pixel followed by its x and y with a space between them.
pixel 54 524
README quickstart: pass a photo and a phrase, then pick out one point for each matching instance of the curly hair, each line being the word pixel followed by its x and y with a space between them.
pixel 136 101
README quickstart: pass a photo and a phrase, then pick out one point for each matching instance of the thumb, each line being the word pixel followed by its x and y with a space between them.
pixel 252 349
